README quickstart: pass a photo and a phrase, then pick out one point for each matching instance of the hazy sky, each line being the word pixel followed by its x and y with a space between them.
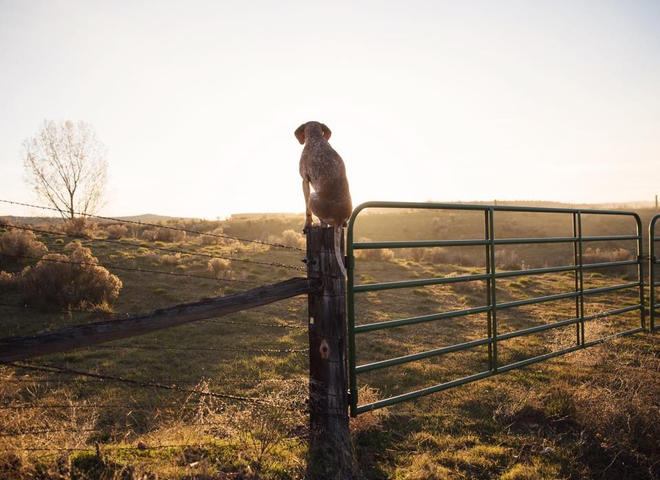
pixel 447 100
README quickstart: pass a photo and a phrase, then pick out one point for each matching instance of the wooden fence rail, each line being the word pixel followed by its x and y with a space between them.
pixel 23 348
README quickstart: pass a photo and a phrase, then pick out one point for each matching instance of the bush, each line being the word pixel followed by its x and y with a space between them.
pixel 70 281
pixel 168 235
pixel 378 254
pixel 598 255
pixel 507 260
pixel 79 226
pixel 437 255
pixel 221 267
pixel 216 237
pixel 170 260
pixel 9 281
pixel 16 245
pixel 115 232
pixel 291 238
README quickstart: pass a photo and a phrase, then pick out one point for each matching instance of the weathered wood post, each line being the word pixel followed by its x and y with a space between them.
pixel 330 453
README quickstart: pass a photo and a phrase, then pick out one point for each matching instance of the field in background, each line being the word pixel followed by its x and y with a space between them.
pixel 225 398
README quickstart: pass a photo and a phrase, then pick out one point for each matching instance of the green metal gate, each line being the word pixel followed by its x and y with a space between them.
pixel 487 339
pixel 654 273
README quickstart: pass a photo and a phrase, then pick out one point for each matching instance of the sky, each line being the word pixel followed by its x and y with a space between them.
pixel 443 100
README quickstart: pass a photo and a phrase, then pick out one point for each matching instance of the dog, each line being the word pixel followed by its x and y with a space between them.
pixel 322 169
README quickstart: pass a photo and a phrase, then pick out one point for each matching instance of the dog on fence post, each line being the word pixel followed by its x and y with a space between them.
pixel 322 169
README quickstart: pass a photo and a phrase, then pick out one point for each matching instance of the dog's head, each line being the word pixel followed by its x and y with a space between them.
pixel 310 129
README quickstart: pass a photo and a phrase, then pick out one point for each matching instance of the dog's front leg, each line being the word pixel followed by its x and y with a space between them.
pixel 308 211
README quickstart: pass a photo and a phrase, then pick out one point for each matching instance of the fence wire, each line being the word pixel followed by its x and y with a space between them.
pixel 155 225
pixel 124 243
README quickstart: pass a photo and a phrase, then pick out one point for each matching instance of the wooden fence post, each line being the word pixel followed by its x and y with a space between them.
pixel 330 454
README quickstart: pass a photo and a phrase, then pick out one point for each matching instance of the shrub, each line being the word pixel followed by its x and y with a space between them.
pixel 384 254
pixel 260 430
pixel 171 260
pixel 164 235
pixel 206 239
pixel 115 232
pixel 70 281
pixel 79 226
pixel 221 267
pixel 9 281
pixel 216 237
pixel 372 421
pixel 149 234
pixel 597 255
pixel 17 244
pixel 507 260
pixel 291 238
pixel 436 255
pixel 414 254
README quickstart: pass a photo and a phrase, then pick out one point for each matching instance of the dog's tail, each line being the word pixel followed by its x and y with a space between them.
pixel 339 231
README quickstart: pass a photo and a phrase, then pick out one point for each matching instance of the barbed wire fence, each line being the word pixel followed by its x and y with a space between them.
pixel 54 394
pixel 155 225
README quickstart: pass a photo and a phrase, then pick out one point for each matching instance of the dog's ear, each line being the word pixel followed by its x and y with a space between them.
pixel 326 132
pixel 300 133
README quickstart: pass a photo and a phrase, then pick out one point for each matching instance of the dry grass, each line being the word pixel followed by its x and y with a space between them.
pixel 590 414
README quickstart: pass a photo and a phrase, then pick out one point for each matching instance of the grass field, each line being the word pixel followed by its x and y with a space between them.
pixel 225 398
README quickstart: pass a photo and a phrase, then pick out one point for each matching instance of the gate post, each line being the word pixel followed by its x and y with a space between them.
pixel 330 453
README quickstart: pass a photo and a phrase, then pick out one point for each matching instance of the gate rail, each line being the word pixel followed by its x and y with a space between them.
pixel 490 243
pixel 654 282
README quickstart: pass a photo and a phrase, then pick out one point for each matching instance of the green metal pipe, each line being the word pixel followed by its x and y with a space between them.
pixel 421 355
pixel 537 329
pixel 611 238
pixel 350 311
pixel 373 287
pixel 653 261
pixel 474 207
pixel 613 288
pixel 419 244
pixel 402 322
pixel 580 276
pixel 492 297
pixel 533 301
pixel 611 313
pixel 388 402
pixel 490 242
pixel 609 264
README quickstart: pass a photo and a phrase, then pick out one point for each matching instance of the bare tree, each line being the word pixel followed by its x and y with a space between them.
pixel 66 166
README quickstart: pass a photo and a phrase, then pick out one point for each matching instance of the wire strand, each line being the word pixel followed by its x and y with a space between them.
pixel 139 383
pixel 164 249
pixel 126 314
pixel 146 224
pixel 128 269
pixel 199 349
